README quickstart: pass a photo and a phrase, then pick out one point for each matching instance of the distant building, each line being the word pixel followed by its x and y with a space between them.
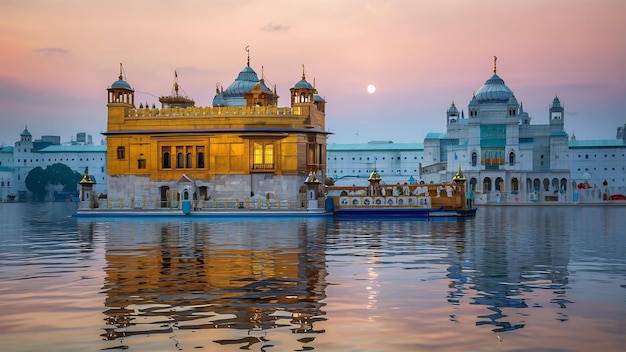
pixel 242 145
pixel 83 138
pixel 395 162
pixel 504 157
pixel 17 161
pixel 598 167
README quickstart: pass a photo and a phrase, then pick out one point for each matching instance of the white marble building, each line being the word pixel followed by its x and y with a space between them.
pixel 17 161
pixel 349 164
pixel 504 157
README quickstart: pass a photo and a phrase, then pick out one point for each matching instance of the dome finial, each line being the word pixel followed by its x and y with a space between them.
pixel 121 75
pixel 303 76
pixel 248 51
pixel 495 58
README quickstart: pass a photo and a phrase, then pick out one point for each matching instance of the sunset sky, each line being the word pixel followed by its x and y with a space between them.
pixel 59 57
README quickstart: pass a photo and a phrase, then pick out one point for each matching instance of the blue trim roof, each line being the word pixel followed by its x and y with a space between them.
pixel 598 143
pixel 89 148
pixel 435 135
pixel 374 146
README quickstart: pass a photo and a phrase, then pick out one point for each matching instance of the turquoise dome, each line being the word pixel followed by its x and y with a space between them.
pixel 120 83
pixel 303 83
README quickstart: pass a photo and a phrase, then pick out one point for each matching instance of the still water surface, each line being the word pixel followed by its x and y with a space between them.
pixel 511 279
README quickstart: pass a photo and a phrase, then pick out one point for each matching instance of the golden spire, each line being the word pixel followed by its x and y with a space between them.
pixel 495 58
pixel 121 76
pixel 303 76
pixel 248 51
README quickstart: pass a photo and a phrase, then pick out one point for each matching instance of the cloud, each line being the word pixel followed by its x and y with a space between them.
pixel 52 51
pixel 270 27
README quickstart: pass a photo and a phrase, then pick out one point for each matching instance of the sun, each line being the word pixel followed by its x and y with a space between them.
pixel 371 88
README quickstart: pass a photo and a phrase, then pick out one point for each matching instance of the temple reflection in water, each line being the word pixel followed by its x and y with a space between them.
pixel 508 271
pixel 252 275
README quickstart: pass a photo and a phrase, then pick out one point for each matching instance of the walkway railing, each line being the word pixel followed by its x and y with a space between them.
pixel 211 204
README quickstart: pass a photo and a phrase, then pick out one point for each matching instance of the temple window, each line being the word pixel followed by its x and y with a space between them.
pixel 511 158
pixel 121 153
pixel 141 163
pixel 189 161
pixel 180 160
pixel 166 158
pixel 200 162
pixel 262 155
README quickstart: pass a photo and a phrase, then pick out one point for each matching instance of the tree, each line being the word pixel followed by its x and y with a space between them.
pixel 61 174
pixel 36 182
pixel 55 174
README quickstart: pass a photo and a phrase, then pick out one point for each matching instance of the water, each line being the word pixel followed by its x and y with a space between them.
pixel 512 279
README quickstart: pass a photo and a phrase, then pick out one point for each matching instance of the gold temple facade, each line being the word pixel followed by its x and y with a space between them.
pixel 241 146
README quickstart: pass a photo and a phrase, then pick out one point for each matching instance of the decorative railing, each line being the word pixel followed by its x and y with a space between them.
pixel 214 111
pixel 211 204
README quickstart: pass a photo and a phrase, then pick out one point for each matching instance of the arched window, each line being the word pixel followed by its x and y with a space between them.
pixel 499 184
pixel 121 153
pixel 546 184
pixel 167 160
pixel 511 158
pixel 180 161
pixel 189 160
pixel 514 184
pixel 165 194
pixel 555 184
pixel 474 158
pixel 200 160
pixel 472 183
pixel 486 184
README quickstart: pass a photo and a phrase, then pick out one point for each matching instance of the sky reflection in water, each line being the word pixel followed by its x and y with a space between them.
pixel 511 279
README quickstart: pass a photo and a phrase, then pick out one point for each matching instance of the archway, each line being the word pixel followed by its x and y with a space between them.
pixel 486 184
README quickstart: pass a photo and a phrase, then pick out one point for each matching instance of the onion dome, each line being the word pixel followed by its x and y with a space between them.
pixel 234 94
pixel 374 176
pixel 494 90
pixel 245 81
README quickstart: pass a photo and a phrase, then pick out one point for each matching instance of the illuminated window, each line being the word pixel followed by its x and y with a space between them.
pixel 263 156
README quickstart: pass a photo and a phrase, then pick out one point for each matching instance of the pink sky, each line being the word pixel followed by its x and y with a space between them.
pixel 59 57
